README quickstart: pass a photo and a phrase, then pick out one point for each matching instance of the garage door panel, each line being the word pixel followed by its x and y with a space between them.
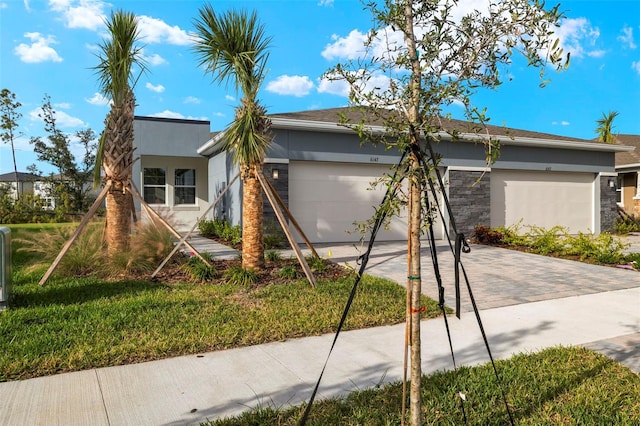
pixel 544 199
pixel 327 198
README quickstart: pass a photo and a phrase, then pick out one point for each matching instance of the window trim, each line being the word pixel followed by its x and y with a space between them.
pixel 194 186
pixel 164 186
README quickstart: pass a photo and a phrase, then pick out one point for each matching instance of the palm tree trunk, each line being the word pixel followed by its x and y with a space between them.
pixel 118 162
pixel 252 217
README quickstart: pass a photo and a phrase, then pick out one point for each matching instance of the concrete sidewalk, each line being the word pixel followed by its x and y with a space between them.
pixel 602 313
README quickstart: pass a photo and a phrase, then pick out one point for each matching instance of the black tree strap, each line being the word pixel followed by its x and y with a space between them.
pixel 363 260
pixel 465 249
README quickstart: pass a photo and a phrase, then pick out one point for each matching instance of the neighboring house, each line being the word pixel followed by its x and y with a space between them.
pixel 628 168
pixel 323 173
pixel 169 173
pixel 25 183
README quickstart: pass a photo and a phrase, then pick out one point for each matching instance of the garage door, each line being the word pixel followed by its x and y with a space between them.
pixel 327 198
pixel 543 199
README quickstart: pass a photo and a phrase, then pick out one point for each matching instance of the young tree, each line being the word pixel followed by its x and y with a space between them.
pixel 118 56
pixel 430 54
pixel 605 127
pixel 9 124
pixel 234 48
pixel 72 187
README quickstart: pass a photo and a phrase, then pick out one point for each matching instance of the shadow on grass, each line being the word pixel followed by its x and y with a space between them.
pixel 80 290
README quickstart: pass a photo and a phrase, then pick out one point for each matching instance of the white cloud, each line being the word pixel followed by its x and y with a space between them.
pixel 333 87
pixel 578 36
pixel 349 47
pixel 63 120
pixel 154 30
pixel 560 123
pixel 328 3
pixel 295 85
pixel 154 59
pixel 63 105
pixel 627 37
pixel 192 100
pixel 87 14
pixel 230 98
pixel 39 50
pixel 98 99
pixel 158 89
pixel 596 53
pixel 635 65
pixel 3 5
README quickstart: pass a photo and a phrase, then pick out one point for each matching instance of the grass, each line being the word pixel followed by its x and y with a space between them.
pixel 557 386
pixel 79 323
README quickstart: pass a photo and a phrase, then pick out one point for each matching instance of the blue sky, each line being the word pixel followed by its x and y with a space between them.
pixel 49 47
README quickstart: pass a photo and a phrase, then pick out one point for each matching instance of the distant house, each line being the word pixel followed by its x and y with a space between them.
pixel 25 183
pixel 323 173
pixel 628 168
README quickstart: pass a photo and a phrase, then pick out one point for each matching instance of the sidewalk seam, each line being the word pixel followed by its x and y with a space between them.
pixel 104 404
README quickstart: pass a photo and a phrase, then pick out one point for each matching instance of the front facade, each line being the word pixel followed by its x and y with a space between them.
pixel 628 168
pixel 169 174
pixel 323 173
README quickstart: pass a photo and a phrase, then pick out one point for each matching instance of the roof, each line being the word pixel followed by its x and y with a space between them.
pixel 22 177
pixel 630 158
pixel 327 120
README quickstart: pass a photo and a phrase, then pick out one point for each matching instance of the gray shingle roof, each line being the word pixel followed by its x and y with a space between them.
pixel 331 115
pixel 631 157
pixel 22 177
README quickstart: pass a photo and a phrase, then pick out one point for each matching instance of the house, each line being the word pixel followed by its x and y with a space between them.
pixel 628 168
pixel 323 173
pixel 27 183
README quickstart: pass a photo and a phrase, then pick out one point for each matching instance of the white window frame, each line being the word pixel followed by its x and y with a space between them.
pixel 177 186
pixel 164 187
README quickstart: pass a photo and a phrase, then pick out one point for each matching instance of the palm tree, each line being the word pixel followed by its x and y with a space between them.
pixel 118 56
pixel 605 127
pixel 232 46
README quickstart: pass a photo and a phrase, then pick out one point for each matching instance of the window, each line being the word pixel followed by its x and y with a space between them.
pixel 185 186
pixel 155 185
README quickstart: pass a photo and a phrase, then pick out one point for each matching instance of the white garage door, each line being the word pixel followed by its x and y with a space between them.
pixel 327 198
pixel 544 199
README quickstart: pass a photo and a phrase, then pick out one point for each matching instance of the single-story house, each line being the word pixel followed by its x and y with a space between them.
pixel 22 185
pixel 323 173
pixel 628 168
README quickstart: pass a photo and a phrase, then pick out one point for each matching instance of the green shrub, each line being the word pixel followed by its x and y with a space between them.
pixel 316 264
pixel 626 224
pixel 546 241
pixel 272 256
pixel 289 272
pixel 221 229
pixel 238 275
pixel 198 270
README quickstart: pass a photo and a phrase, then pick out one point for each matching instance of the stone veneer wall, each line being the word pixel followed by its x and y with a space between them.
pixel 470 200
pixel 608 205
pixel 282 188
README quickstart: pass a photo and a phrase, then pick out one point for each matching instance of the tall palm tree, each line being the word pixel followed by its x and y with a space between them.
pixel 232 46
pixel 605 127
pixel 118 56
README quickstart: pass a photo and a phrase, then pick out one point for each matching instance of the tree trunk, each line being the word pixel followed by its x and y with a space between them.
pixel 118 220
pixel 252 219
pixel 117 165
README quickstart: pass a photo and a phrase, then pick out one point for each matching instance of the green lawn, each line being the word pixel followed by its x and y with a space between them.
pixel 78 323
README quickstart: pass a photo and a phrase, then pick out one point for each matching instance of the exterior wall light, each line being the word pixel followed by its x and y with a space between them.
pixel 275 174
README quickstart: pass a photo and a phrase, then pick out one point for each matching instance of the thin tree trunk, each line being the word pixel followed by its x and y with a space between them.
pixel 252 219
pixel 415 221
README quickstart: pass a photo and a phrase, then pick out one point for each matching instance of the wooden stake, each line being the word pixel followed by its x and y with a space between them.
pixel 285 228
pixel 134 191
pixel 182 240
pixel 293 220
pixel 92 211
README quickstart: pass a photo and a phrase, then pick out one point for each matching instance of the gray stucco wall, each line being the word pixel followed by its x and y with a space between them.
pixel 169 137
pixel 470 200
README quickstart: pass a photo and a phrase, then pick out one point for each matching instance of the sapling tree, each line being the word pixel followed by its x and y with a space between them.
pixel 418 58
pixel 9 117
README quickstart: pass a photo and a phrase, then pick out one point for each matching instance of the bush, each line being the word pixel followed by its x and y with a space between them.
pixel 238 275
pixel 604 248
pixel 222 229
pixel 625 224
pixel 198 270
pixel 289 272
pixel 547 241
pixel 484 235
pixel 272 256
pixel 316 264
